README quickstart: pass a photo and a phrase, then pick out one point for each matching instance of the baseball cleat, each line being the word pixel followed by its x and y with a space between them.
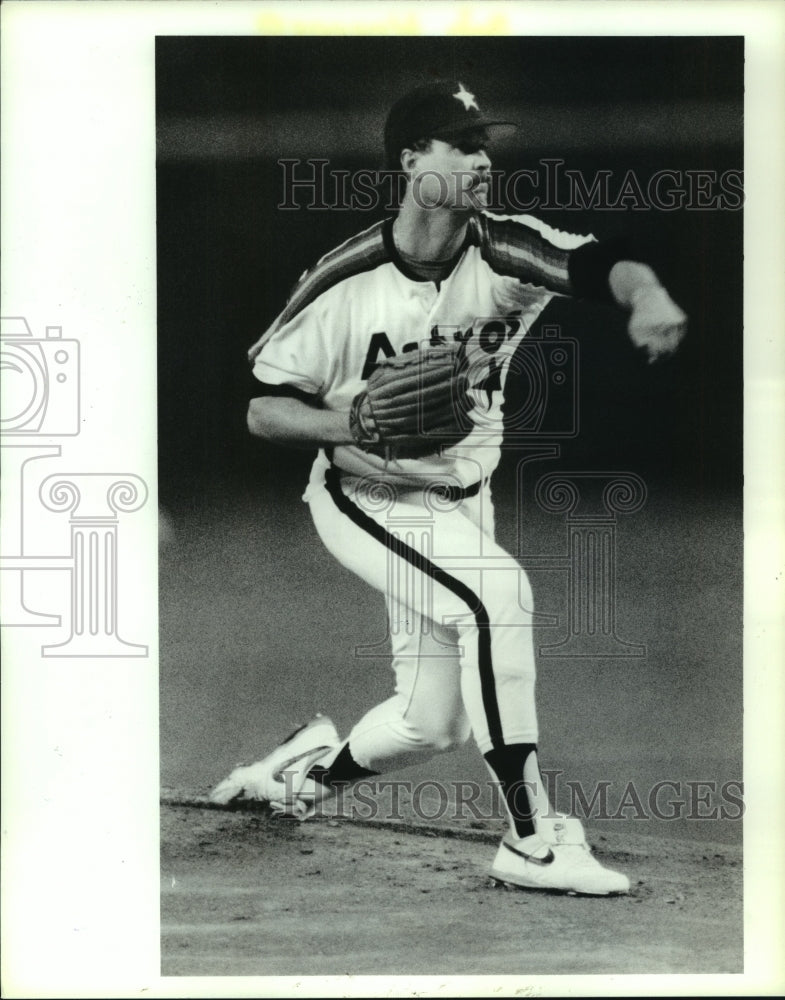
pixel 280 778
pixel 557 858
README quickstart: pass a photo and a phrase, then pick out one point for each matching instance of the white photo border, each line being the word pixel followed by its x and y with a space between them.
pixel 78 239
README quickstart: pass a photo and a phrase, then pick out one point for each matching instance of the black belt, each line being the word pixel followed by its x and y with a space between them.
pixel 443 490
pixel 456 493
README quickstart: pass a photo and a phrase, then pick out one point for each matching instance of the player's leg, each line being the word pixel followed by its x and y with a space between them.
pixel 469 584
pixel 542 849
pixel 441 560
pixel 498 675
pixel 475 586
pixel 425 716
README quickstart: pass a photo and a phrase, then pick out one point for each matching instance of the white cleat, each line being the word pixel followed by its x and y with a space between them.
pixel 280 778
pixel 557 859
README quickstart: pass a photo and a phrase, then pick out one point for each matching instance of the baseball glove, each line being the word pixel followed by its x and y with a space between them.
pixel 413 404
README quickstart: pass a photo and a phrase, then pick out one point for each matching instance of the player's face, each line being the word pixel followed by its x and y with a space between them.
pixel 452 174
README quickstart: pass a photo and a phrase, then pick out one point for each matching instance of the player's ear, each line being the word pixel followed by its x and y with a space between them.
pixel 409 159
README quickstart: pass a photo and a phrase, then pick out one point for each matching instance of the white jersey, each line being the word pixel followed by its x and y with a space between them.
pixel 361 304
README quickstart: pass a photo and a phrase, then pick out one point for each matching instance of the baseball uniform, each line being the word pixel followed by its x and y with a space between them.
pixel 460 616
pixel 421 529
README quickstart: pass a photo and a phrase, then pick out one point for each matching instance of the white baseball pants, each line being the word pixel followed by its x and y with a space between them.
pixel 459 609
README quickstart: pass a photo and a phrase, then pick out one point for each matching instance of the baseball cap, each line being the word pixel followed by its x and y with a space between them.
pixel 443 110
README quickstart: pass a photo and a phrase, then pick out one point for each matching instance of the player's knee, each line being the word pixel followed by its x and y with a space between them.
pixel 445 734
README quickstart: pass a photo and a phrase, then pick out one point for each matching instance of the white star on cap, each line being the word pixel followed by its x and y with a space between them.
pixel 468 100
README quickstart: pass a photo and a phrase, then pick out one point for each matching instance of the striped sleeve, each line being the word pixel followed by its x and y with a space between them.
pixel 526 248
pixel 362 252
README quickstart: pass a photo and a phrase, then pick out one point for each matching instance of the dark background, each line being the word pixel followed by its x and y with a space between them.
pixel 259 624
pixel 228 108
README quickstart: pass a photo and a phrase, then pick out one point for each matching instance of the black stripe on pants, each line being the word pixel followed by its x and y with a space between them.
pixel 457 587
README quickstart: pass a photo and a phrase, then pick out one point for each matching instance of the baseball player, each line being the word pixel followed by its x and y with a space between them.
pixel 404 501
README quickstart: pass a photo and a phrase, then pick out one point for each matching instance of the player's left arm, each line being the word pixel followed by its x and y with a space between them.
pixel 605 270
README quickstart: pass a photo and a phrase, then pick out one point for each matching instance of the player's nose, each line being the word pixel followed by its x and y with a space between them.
pixel 481 162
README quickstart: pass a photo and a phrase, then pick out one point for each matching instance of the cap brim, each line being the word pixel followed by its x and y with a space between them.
pixel 453 131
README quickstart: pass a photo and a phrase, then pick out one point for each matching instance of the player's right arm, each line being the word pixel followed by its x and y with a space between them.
pixel 288 420
pixel 295 365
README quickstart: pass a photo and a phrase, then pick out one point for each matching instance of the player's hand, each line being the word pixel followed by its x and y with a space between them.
pixel 656 324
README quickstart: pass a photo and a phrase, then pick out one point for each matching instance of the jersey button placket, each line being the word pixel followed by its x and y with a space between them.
pixel 430 303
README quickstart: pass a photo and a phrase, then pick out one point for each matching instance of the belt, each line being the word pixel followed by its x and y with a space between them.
pixel 456 493
pixel 444 491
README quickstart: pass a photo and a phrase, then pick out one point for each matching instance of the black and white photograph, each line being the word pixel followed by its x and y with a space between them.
pixel 484 318
pixel 391 530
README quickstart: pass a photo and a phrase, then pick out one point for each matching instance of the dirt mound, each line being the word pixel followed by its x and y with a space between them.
pixel 247 894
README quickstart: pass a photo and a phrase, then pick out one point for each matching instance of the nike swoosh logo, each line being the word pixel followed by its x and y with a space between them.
pixel 547 860
pixel 277 776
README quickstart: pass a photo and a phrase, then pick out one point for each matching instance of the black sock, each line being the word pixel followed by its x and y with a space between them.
pixel 343 770
pixel 507 764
